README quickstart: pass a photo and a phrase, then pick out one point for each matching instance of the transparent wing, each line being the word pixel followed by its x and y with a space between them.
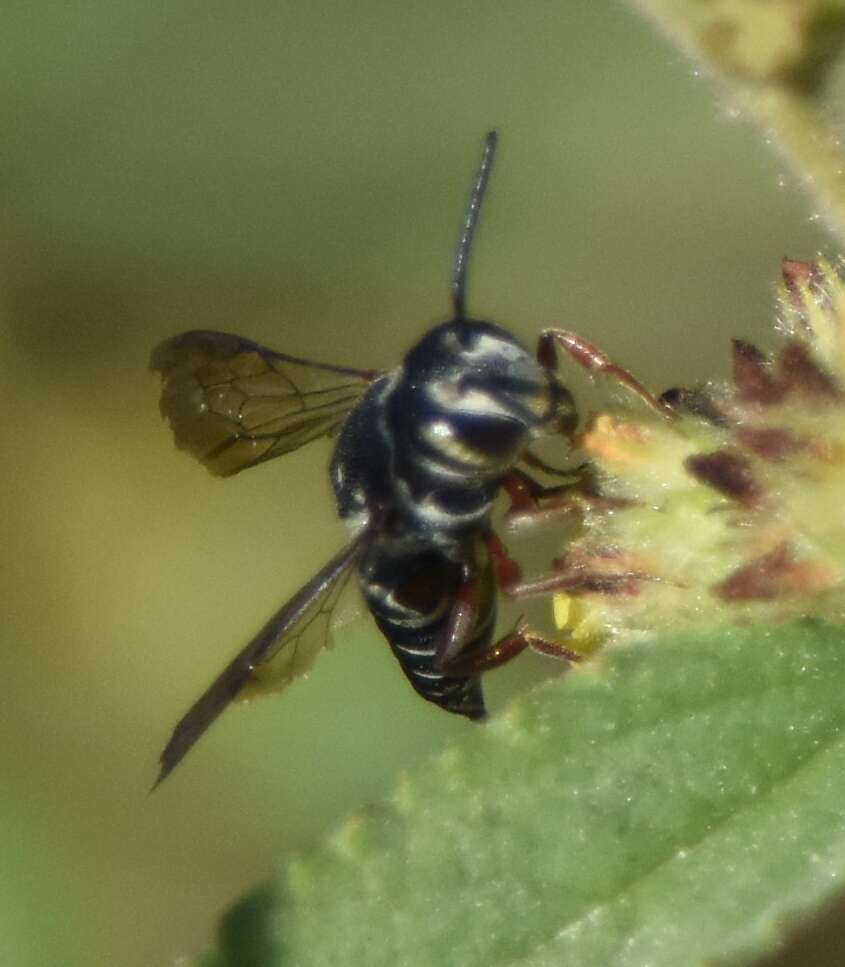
pixel 283 650
pixel 232 403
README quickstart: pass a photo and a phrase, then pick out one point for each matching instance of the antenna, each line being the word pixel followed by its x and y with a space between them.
pixel 459 280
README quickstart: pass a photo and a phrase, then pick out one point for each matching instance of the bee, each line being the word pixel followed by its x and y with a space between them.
pixel 421 454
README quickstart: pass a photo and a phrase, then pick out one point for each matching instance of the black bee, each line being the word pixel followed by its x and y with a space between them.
pixel 422 453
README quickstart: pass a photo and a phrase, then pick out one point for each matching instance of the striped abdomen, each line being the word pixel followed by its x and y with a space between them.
pixel 410 592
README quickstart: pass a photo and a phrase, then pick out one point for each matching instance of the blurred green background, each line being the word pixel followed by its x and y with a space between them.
pixel 296 173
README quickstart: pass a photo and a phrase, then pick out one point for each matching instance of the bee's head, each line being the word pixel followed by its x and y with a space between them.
pixel 480 370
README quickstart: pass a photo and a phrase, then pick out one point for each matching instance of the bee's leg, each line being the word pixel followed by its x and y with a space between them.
pixel 578 579
pixel 508 572
pixel 592 358
pixel 507 648
pixel 466 604
pixel 463 618
pixel 531 499
pixel 465 613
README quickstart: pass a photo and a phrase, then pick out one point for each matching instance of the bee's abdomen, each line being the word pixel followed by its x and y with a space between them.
pixel 410 594
pixel 415 653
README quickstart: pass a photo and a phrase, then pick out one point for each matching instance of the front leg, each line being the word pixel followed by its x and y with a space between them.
pixel 592 358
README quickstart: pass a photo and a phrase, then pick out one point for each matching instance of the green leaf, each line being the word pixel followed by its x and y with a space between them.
pixel 663 805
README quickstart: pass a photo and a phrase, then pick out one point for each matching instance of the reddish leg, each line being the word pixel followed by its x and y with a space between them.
pixel 509 647
pixel 466 606
pixel 508 572
pixel 592 358
pixel 580 579
pixel 465 614
pixel 462 621
pixel 532 500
